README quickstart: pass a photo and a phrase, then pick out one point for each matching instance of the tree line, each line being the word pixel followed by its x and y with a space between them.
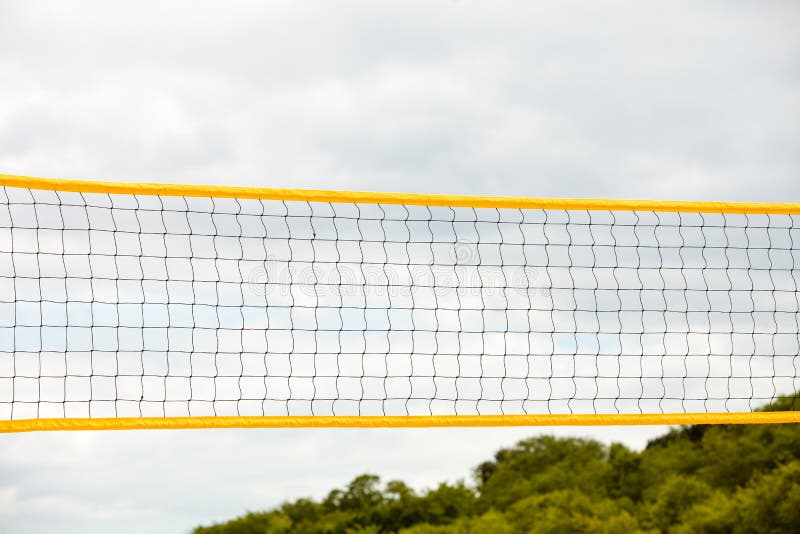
pixel 700 478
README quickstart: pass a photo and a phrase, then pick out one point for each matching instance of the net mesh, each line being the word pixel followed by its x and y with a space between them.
pixel 140 305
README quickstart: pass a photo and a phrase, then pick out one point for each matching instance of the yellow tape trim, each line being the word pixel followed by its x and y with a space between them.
pixel 83 186
pixel 154 423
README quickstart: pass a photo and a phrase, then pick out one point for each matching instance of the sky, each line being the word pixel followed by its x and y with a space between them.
pixel 674 100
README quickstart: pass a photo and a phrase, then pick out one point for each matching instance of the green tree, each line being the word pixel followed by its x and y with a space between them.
pixel 668 501
pixel 491 521
pixel 769 504
pixel 700 478
pixel 251 523
pixel 567 511
pixel 541 465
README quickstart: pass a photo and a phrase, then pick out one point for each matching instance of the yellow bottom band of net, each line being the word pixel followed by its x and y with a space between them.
pixel 154 423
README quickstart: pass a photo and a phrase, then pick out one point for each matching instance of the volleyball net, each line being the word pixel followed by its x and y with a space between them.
pixel 169 306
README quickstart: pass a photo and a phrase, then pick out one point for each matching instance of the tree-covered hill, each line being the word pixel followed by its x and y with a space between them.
pixel 716 479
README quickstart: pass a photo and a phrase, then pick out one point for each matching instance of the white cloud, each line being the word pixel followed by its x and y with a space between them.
pixel 66 508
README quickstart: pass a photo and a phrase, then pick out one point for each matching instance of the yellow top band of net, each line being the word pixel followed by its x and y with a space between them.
pixel 306 195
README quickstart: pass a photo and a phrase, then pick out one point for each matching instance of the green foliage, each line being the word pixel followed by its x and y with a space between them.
pixel 571 511
pixel 491 521
pixel 667 502
pixel 251 523
pixel 770 503
pixel 701 478
pixel 625 477
pixel 544 464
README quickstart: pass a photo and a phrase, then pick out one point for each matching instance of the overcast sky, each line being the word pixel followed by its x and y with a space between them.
pixel 677 100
